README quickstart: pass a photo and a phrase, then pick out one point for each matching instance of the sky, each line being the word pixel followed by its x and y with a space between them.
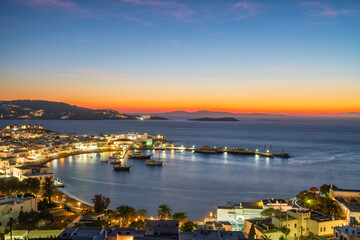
pixel 164 55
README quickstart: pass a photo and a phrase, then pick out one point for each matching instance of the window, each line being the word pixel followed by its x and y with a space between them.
pixel 21 207
pixel 324 229
pixel 295 225
pixel 320 229
pixel 294 234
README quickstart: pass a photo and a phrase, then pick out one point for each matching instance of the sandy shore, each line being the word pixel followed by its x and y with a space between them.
pixel 70 201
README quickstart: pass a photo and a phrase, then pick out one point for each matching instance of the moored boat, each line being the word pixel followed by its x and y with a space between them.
pixel 139 155
pixel 117 161
pixel 104 160
pixel 121 167
pixel 154 163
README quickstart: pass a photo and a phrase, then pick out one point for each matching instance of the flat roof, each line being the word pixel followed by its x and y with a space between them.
pixel 345 190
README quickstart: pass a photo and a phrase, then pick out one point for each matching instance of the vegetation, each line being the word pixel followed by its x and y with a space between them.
pixel 286 231
pixel 164 211
pixel 29 220
pixel 265 237
pixel 181 217
pixel 189 226
pixel 140 224
pixel 141 213
pixel 252 232
pixel 319 203
pixel 126 214
pixel 88 213
pixel 13 186
pixel 101 203
pixel 324 189
pixel 48 188
pixel 44 205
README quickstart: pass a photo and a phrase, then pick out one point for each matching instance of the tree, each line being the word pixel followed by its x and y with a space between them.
pixel 111 215
pixel 126 214
pixel 31 185
pixel 282 238
pixel 189 226
pixel 88 213
pixel 48 188
pixel 29 220
pixel 101 203
pixel 141 213
pixel 164 211
pixel 285 230
pixel 252 232
pixel 180 216
pixel 266 237
pixel 140 224
pixel 268 212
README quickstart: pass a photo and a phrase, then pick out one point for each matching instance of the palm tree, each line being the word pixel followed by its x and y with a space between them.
pixel 141 213
pixel 126 213
pixel 164 211
pixel 181 217
pixel 48 186
pixel 111 215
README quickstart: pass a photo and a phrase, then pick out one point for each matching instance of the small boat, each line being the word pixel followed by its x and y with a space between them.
pixel 104 160
pixel 154 163
pixel 139 155
pixel 121 167
pixel 117 161
pixel 115 156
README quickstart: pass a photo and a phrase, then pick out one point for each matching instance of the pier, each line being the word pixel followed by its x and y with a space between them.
pixel 214 150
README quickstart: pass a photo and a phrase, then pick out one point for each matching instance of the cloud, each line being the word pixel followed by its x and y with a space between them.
pixel 58 4
pixel 94 76
pixel 290 69
pixel 137 20
pixel 246 9
pixel 180 11
pixel 88 70
pixel 20 73
pixel 319 8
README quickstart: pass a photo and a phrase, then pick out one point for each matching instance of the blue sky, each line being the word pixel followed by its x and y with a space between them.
pixel 159 46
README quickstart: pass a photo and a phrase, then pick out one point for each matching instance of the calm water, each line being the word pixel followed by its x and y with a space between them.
pixel 323 150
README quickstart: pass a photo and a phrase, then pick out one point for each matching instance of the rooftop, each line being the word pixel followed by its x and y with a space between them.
pixel 349 230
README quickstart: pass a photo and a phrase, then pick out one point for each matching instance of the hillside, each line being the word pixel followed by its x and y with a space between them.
pixel 40 109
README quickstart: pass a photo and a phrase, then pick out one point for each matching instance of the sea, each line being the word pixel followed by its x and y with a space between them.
pixel 323 151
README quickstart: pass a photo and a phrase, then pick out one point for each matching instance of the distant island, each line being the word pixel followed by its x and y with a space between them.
pixel 223 119
pixel 48 110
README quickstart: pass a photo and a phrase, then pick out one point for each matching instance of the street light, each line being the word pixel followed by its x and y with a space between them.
pixel 79 204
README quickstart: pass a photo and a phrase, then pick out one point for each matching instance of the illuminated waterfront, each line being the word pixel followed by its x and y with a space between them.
pixel 196 183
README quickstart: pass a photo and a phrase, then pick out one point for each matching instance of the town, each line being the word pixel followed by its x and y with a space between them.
pixel 32 207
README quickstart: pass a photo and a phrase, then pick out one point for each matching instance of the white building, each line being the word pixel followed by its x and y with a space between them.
pixel 237 214
pixel 10 207
pixel 33 171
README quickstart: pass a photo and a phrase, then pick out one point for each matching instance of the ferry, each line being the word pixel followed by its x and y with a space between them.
pixel 139 155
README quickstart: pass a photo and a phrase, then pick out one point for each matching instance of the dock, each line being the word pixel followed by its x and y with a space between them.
pixel 214 150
